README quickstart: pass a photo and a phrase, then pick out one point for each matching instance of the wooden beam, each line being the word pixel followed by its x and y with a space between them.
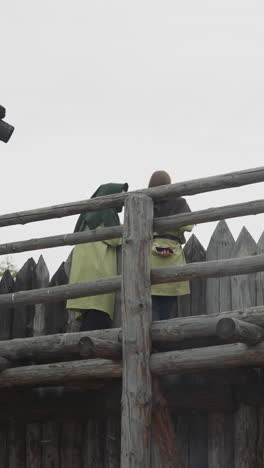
pixel 232 329
pixel 173 331
pixel 136 326
pixel 191 187
pixel 212 269
pixel 173 362
pixel 160 224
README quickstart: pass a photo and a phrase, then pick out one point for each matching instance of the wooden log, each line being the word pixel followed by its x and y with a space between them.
pixel 191 187
pixel 194 439
pixel 242 332
pixel 17 445
pixel 7 285
pixel 163 432
pixel 93 444
pixel 24 314
pixel 176 330
pixel 71 445
pixel 244 294
pixel 171 362
pixel 55 313
pixel 214 269
pixel 113 232
pixel 136 325
pixel 4 363
pixel 61 293
pixel 33 445
pixel 246 437
pixel 41 281
pixel 50 445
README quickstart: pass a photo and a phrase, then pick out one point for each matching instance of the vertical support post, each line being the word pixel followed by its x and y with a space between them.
pixel 136 326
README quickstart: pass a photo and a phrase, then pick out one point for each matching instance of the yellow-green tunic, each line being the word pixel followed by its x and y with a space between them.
pixel 170 289
pixel 93 261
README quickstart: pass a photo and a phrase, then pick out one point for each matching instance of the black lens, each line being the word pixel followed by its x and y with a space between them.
pixel 6 131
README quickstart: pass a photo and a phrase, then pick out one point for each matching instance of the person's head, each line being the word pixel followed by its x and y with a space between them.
pixel 159 178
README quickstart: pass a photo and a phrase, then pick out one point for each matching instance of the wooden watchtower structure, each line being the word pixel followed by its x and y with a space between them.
pixel 139 372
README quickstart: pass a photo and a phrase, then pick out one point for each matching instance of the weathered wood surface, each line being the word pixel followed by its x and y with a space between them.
pixel 236 330
pixel 107 341
pixel 218 299
pixel 214 269
pixel 41 281
pixel 160 224
pixel 7 285
pixel 163 432
pixel 244 294
pixel 24 314
pixel 260 412
pixel 195 427
pixel 190 187
pixel 136 328
pixel 172 362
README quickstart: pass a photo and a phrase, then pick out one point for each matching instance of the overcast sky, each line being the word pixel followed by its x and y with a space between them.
pixel 109 91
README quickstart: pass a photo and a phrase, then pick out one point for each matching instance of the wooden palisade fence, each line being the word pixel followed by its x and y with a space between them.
pixel 196 402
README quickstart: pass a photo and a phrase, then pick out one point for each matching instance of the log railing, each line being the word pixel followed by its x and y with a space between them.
pixel 80 357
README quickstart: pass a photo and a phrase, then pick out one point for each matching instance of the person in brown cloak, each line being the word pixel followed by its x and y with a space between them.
pixel 167 249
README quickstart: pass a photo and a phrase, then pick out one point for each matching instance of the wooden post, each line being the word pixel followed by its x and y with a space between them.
pixel 218 299
pixel 244 294
pixel 136 324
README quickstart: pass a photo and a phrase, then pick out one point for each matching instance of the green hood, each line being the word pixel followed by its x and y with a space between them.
pixel 109 217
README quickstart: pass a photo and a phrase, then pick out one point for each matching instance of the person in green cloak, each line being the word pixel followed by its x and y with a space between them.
pixel 93 261
pixel 167 249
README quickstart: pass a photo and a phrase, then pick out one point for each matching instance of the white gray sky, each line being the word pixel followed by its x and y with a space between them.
pixel 109 91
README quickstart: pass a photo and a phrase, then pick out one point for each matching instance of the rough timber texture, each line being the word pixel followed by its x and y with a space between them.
pixel 218 299
pixel 244 294
pixel 192 430
pixel 136 326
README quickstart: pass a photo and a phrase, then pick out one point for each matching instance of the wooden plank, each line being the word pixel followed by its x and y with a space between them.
pixel 4 450
pixel 41 281
pixel 17 445
pixel 23 315
pixel 191 187
pixel 34 445
pixel 22 327
pixel 246 437
pixel 218 299
pixel 136 324
pixel 113 442
pixel 195 427
pixel 260 439
pixel 244 294
pixel 220 440
pixel 71 445
pixel 34 431
pixel 112 447
pixel 50 445
pixel 7 285
pixel 93 444
pixel 260 412
pixel 55 313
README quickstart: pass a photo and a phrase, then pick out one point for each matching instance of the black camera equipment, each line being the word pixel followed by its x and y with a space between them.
pixel 6 130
